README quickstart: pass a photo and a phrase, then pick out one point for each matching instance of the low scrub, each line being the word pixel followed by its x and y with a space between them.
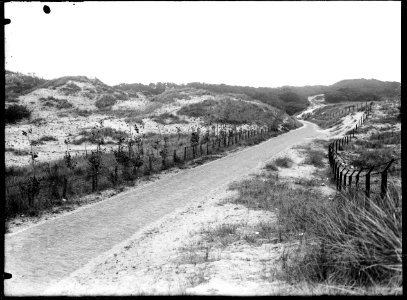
pixel 46 138
pixel 15 113
pixel 57 103
pixel 171 95
pixel 315 158
pixel 167 118
pixel 284 162
pixel 349 241
pixel 105 101
pixel 271 167
pixel 354 244
pixel 70 89
pixel 227 110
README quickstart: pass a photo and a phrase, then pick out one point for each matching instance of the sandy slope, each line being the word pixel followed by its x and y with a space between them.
pixel 42 255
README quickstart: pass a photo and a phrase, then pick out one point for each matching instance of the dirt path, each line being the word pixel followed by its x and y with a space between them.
pixel 42 255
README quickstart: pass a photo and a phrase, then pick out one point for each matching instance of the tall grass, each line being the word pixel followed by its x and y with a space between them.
pixel 348 241
pixel 356 241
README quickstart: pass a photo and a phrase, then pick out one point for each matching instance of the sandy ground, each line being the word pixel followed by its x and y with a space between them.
pixel 315 104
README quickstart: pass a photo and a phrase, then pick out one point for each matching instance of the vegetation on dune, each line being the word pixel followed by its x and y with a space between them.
pixel 15 113
pixel 70 89
pixel 55 83
pixel 105 101
pixel 167 118
pixel 18 84
pixel 55 102
pixel 226 110
pixel 341 241
pixel 171 95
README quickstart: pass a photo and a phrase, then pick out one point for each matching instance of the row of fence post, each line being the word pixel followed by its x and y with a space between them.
pixel 348 110
pixel 338 168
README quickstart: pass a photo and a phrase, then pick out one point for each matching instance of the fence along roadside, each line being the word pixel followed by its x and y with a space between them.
pixel 340 169
pixel 33 188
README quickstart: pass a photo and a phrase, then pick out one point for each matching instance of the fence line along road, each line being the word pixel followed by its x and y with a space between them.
pixel 344 174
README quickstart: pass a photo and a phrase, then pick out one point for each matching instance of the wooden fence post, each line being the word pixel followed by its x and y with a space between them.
pixel 207 148
pixel 185 153
pixel 357 177
pixel 344 178
pixel 339 182
pixel 174 157
pixel 383 186
pixel 350 178
pixel 367 183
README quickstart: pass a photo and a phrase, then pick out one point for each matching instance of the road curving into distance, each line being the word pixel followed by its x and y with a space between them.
pixel 46 253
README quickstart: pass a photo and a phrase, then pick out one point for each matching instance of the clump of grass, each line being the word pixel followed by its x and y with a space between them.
pixel 315 158
pixel 15 113
pixel 43 139
pixel 18 152
pixel 271 167
pixel 223 234
pixel 347 241
pixel 107 132
pixel 370 158
pixel 57 103
pixel 105 101
pixel 167 118
pixel 39 121
pixel 284 162
pixel 171 95
pixel 355 244
pixel 70 89
pixel 83 112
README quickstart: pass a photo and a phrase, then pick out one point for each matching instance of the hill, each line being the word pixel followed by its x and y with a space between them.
pixel 361 90
pixel 71 107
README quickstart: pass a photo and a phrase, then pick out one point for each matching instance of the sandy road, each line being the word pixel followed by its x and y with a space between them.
pixel 46 253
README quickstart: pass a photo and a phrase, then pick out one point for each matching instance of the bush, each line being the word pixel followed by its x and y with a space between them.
pixel 167 118
pixel 271 167
pixel 54 102
pixel 284 162
pixel 70 89
pixel 15 113
pixel 315 158
pixel 43 139
pixel 106 101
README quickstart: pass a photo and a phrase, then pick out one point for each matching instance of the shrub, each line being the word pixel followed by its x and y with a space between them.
pixel 105 101
pixel 83 112
pixel 54 102
pixel 15 113
pixel 167 118
pixel 284 162
pixel 315 158
pixel 70 89
pixel 271 167
pixel 63 104
pixel 43 139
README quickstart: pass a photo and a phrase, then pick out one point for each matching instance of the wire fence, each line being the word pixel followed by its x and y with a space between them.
pixel 92 171
pixel 373 179
pixel 339 113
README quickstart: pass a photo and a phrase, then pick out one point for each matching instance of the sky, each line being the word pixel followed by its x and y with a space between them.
pixel 267 44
